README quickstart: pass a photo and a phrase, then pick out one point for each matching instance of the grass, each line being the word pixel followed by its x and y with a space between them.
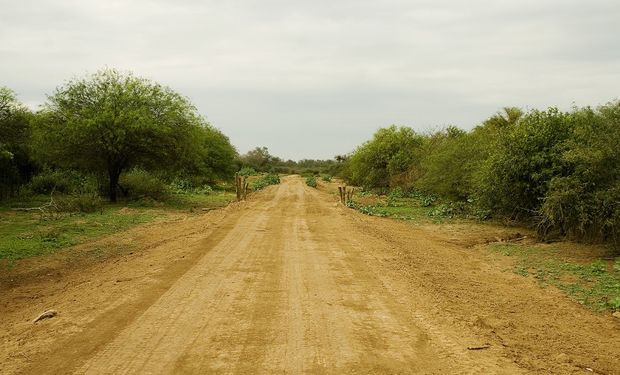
pixel 594 283
pixel 401 208
pixel 28 234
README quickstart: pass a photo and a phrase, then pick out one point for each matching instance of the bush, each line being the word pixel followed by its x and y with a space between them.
pixel 266 180
pixel 311 181
pixel 516 177
pixel 326 178
pixel 82 202
pixel 62 181
pixel 584 201
pixel 139 184
pixel 247 171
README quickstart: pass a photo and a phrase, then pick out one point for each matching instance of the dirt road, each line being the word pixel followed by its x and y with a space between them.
pixel 292 282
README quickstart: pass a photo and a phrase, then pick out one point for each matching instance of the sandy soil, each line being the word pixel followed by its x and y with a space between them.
pixel 292 282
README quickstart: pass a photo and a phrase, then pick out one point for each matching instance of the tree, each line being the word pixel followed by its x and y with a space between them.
pixel 110 122
pixel 382 161
pixel 16 165
pixel 258 158
pixel 211 155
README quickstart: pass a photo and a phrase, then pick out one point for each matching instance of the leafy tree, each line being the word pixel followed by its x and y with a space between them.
pixel 210 156
pixel 258 158
pixel 16 165
pixel 385 159
pixel 110 122
pixel 515 178
pixel 584 200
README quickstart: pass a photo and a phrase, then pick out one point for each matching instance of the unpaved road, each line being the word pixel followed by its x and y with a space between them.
pixel 291 282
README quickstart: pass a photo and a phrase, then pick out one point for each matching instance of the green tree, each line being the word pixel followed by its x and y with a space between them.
pixel 385 160
pixel 515 178
pixel 584 201
pixel 16 165
pixel 110 122
pixel 259 158
pixel 211 156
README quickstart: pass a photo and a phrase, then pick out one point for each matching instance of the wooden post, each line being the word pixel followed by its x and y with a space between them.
pixel 350 194
pixel 342 190
pixel 241 187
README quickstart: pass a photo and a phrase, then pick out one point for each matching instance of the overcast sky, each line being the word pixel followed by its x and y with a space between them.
pixel 312 79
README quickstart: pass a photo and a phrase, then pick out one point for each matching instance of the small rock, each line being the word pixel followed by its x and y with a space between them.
pixel 562 358
pixel 616 314
pixel 46 315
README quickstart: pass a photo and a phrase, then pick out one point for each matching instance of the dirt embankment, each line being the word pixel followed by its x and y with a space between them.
pixel 293 282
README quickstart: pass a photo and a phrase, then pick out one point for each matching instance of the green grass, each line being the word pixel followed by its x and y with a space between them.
pixel 28 234
pixel 595 283
pixel 415 208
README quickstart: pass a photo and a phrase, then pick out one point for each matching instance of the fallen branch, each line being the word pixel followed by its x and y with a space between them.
pixel 46 315
pixel 481 347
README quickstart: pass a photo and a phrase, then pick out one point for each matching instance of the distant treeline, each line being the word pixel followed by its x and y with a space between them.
pixel 260 160
pixel 108 133
pixel 559 171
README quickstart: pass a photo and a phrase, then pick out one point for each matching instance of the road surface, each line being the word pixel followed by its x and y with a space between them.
pixel 292 282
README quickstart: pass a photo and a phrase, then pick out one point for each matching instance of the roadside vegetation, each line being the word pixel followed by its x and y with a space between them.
pixel 311 181
pixel 558 172
pixel 105 152
pixel 594 283
pixel 555 172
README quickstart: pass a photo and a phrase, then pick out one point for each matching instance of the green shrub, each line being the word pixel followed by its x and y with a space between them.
pixel 247 171
pixel 81 202
pixel 62 181
pixel 139 184
pixel 311 181
pixel 517 176
pixel 266 180
pixel 584 200
pixel 326 178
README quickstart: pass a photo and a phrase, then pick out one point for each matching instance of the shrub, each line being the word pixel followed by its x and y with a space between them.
pixel 247 171
pixel 311 181
pixel 138 184
pixel 584 201
pixel 266 180
pixel 326 178
pixel 515 178
pixel 62 181
pixel 82 202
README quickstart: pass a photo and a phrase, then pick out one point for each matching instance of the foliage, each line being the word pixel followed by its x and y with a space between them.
pixel 258 159
pixel 139 184
pixel 558 171
pixel 16 164
pixel 386 159
pixel 326 178
pixel 247 171
pixel 264 181
pixel 311 181
pixel 207 157
pixel 515 178
pixel 584 201
pixel 111 122
pixel 370 210
pixel 64 181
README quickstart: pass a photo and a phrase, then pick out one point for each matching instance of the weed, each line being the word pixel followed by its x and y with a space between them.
pixel 266 180
pixel 311 181
pixel 595 284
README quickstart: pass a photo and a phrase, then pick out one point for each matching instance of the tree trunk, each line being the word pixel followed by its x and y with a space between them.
pixel 114 175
